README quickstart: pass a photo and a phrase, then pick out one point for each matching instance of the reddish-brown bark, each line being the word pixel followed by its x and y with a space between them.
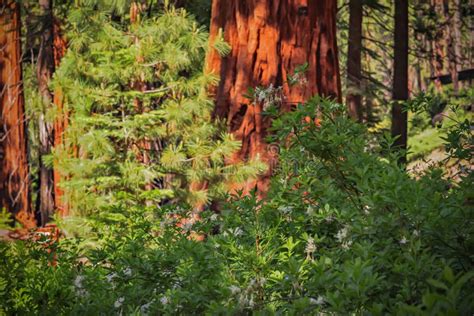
pixel 269 39
pixel 61 122
pixel 14 181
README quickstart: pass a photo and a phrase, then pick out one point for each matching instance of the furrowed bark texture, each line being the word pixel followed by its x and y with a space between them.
pixel 14 181
pixel 45 70
pixel 354 76
pixel 269 38
pixel 454 43
pixel 61 121
pixel 400 75
pixel 439 43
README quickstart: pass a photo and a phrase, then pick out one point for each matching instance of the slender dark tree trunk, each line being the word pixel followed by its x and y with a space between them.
pixel 45 70
pixel 439 45
pixel 14 178
pixel 269 39
pixel 369 99
pixel 470 62
pixel 454 40
pixel 354 76
pixel 400 76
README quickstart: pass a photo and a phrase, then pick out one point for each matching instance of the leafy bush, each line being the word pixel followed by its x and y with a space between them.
pixel 344 230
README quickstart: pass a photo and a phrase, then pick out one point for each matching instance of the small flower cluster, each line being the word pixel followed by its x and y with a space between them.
pixel 247 296
pixel 236 232
pixel 79 286
pixel 342 237
pixel 317 301
pixel 269 96
pixel 119 302
pixel 310 248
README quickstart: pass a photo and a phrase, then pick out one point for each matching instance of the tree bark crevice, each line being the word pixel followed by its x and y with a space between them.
pixel 269 39
pixel 14 171
pixel 45 69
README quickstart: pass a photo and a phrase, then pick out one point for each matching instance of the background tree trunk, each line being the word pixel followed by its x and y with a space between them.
pixel 45 70
pixel 454 40
pixel 354 76
pixel 14 181
pixel 62 118
pixel 269 39
pixel 438 44
pixel 400 76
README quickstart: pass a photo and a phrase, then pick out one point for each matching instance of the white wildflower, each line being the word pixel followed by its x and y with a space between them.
pixel 78 281
pixel 416 233
pixel 118 303
pixel 310 211
pixel 260 94
pixel 243 301
pixel 366 209
pixel 145 307
pixel 253 282
pixel 127 272
pixel 285 209
pixel 164 300
pixel 79 287
pixel 310 246
pixel 238 232
pixel 251 303
pixel 342 234
pixel 404 240
pixel 318 301
pixel 234 289
pixel 82 292
pixel 346 244
pixel 111 276
pixel 214 217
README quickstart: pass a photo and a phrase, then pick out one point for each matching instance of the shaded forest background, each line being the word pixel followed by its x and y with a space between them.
pixel 236 156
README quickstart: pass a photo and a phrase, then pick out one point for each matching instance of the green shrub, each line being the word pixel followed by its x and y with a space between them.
pixel 343 230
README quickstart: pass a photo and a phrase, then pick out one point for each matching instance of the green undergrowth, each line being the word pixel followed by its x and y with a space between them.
pixel 343 231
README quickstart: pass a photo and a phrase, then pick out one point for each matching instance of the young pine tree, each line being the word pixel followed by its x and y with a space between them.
pixel 148 145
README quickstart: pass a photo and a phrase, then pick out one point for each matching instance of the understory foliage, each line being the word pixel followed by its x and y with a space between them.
pixel 140 116
pixel 343 230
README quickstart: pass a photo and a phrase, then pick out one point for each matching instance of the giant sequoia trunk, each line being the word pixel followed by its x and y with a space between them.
pixel 61 121
pixel 14 182
pixel 269 39
pixel 400 76
pixel 354 75
pixel 45 70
